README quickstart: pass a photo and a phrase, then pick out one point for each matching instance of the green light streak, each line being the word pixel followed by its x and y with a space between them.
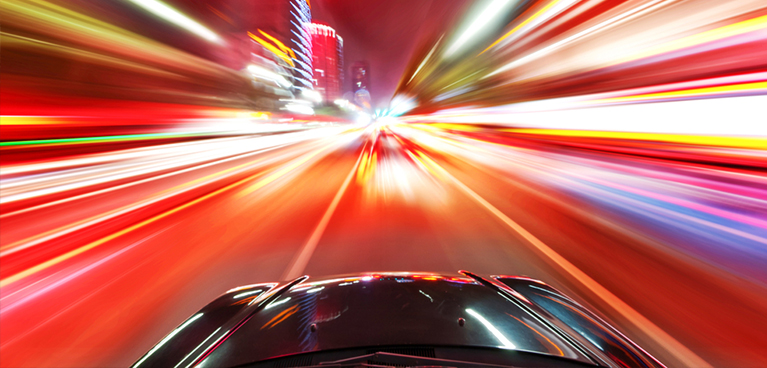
pixel 103 139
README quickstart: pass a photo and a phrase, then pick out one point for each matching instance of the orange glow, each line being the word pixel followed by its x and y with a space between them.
pixel 281 317
pixel 561 353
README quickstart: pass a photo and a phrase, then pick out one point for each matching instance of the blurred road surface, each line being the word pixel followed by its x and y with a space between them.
pixel 104 253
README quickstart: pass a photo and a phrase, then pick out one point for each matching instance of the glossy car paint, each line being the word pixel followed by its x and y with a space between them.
pixel 517 315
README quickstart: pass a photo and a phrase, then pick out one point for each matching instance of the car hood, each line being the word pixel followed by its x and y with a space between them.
pixel 266 321
pixel 388 309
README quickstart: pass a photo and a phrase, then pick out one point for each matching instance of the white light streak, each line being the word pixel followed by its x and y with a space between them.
pixel 493 10
pixel 268 75
pixel 589 31
pixel 240 295
pixel 505 343
pixel 299 109
pixel 314 290
pixel 167 338
pixel 425 59
pixel 557 8
pixel 277 302
pixel 426 295
pixel 174 16
pixel 744 117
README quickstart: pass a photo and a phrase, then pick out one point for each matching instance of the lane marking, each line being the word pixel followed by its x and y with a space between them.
pixel 299 262
pixel 56 260
pixel 670 344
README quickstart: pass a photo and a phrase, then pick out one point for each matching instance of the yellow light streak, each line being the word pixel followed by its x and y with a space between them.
pixel 361 169
pixel 735 29
pixel 34 240
pixel 689 92
pixel 716 141
pixel 279 44
pixel 272 48
pixel 56 260
pixel 30 120
pixel 461 127
pixel 427 164
pixel 371 166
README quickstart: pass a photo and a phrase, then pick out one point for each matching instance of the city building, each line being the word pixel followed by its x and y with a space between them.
pixel 283 28
pixel 328 61
pixel 360 78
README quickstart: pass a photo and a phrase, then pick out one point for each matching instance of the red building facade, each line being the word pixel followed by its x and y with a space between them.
pixel 327 61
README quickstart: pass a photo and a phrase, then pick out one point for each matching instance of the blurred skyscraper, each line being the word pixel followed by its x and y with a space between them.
pixel 360 72
pixel 283 27
pixel 360 76
pixel 328 61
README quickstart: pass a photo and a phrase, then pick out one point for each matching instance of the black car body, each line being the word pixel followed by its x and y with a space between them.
pixel 396 319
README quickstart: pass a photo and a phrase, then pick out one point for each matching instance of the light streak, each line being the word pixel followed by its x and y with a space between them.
pixel 277 302
pixel 175 191
pixel 259 145
pixel 269 75
pixel 314 290
pixel 673 346
pixel 279 53
pixel 493 10
pixel 539 17
pixel 730 30
pixel 703 140
pixel 758 87
pixel 56 260
pixel 197 347
pixel 426 295
pixel 601 27
pixel 240 295
pixel 8 306
pixel 174 16
pixel 505 343
pixel 280 173
pixel 561 353
pixel 299 262
pixel 270 285
pixel 102 139
pixel 425 59
pixel 167 338
pixel 685 117
pixel 279 44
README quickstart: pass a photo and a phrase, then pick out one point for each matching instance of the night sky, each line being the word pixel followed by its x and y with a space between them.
pixel 385 33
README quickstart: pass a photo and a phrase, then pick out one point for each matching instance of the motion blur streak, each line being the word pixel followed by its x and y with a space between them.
pixel 155 154
pixel 681 352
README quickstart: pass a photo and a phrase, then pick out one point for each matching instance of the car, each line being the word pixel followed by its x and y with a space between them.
pixel 408 319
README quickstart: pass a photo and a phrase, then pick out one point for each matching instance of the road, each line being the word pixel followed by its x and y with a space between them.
pixel 104 253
